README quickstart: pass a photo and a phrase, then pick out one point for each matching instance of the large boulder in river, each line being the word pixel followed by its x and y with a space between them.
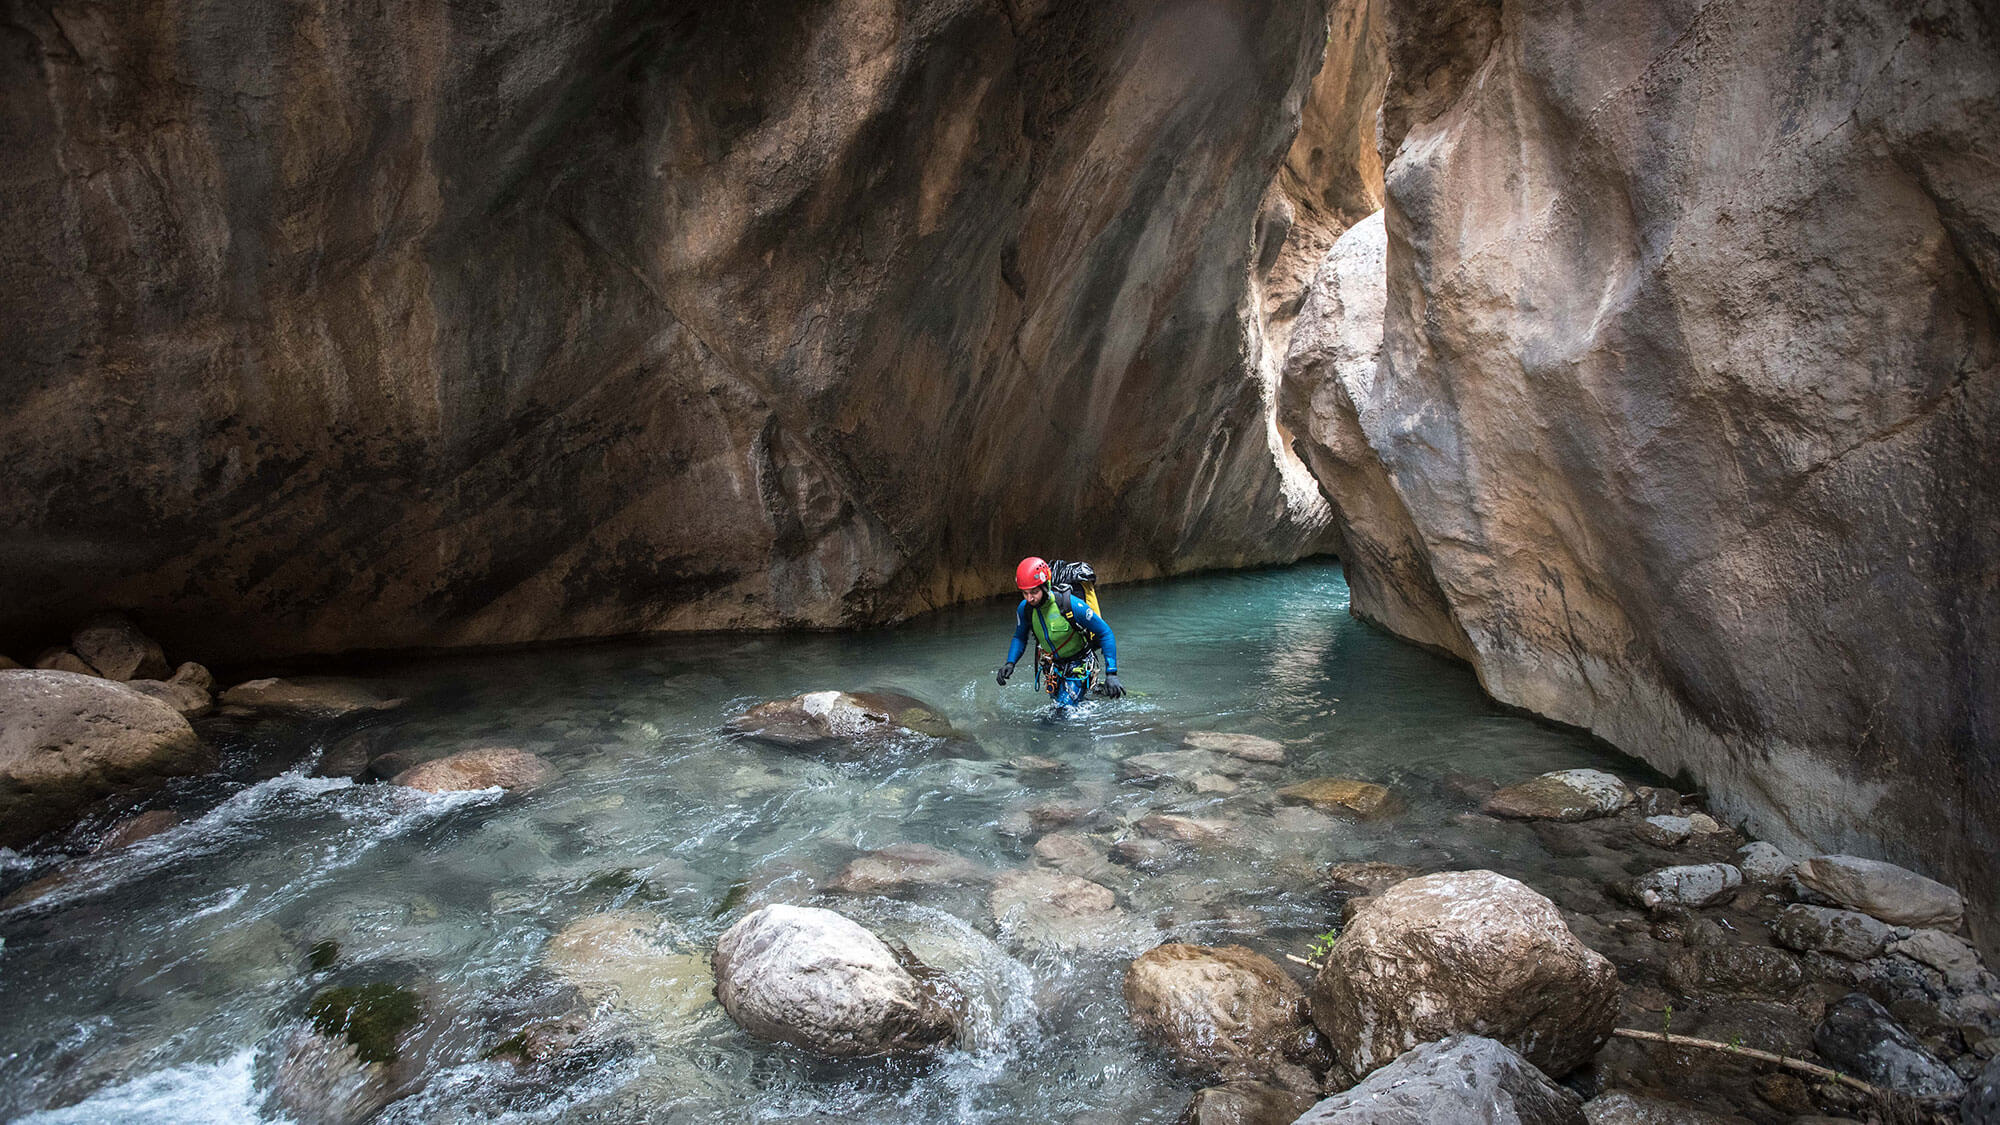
pixel 819 980
pixel 1894 894
pixel 1465 951
pixel 840 723
pixel 1465 1080
pixel 68 739
pixel 1578 794
pixel 1223 1013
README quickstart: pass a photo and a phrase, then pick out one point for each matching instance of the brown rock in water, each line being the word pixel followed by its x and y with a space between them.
pixel 1222 1013
pixel 133 829
pixel 1561 795
pixel 1195 831
pixel 1247 747
pixel 1463 951
pixel 1369 877
pixel 902 868
pixel 1344 796
pixel 118 650
pixel 486 364
pixel 1245 1103
pixel 840 723
pixel 310 695
pixel 67 739
pixel 502 767
pixel 1602 286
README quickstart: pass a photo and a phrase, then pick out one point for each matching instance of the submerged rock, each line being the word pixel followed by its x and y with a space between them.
pixel 1041 909
pixel 1861 1037
pixel 1894 894
pixel 1819 929
pixel 1465 1080
pixel 491 767
pixel 902 868
pixel 1190 830
pixel 1344 797
pixel 67 739
pixel 1247 747
pixel 354 1056
pixel 118 650
pixel 133 829
pixel 819 980
pixel 1566 795
pixel 841 723
pixel 1245 1103
pixel 1222 1012
pixel 1464 951
pixel 1365 878
pixel 636 962
pixel 1179 765
pixel 310 695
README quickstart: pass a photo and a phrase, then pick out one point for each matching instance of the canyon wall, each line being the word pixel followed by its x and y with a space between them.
pixel 333 328
pixel 1686 423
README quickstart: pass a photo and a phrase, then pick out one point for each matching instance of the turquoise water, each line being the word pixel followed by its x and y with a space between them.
pixel 163 983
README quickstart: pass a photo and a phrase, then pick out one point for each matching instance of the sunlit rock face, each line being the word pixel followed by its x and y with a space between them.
pixel 454 324
pixel 1688 390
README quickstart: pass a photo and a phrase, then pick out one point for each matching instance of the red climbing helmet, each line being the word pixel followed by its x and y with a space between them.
pixel 1031 573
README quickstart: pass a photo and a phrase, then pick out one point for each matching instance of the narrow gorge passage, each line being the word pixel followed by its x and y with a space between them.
pixel 1638 362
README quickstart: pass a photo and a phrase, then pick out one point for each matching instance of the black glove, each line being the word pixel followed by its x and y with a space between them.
pixel 1112 687
pixel 1006 670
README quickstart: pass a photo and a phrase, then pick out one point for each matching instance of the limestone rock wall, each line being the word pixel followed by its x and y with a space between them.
pixel 1690 393
pixel 417 324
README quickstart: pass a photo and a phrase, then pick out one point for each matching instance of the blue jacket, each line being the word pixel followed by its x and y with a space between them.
pixel 1092 625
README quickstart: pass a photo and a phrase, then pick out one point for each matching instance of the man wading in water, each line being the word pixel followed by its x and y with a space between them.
pixel 1066 631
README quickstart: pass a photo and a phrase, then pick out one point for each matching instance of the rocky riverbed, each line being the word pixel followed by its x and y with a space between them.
pixel 731 878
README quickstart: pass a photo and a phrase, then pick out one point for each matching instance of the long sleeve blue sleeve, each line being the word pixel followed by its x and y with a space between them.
pixel 1020 644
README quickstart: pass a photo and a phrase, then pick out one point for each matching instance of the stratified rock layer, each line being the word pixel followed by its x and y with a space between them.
pixel 441 325
pixel 1689 396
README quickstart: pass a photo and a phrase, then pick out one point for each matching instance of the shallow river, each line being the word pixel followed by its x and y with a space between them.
pixel 162 983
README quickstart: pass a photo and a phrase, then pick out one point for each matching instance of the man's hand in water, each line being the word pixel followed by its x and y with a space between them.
pixel 1006 670
pixel 1112 687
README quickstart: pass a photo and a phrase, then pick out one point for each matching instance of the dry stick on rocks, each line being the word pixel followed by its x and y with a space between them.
pixel 1801 1065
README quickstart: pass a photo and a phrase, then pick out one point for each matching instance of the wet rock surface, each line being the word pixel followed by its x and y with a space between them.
pixel 502 767
pixel 1466 951
pixel 842 724
pixel 1245 1103
pixel 1819 929
pixel 903 868
pixel 1223 1013
pixel 310 695
pixel 1564 795
pixel 818 980
pixel 68 739
pixel 1464 1078
pixel 1343 797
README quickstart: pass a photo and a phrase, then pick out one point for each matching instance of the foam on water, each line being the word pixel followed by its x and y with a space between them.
pixel 215 1093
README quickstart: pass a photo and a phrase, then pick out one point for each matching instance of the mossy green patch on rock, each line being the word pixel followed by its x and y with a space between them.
pixel 515 1046
pixel 371 1017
